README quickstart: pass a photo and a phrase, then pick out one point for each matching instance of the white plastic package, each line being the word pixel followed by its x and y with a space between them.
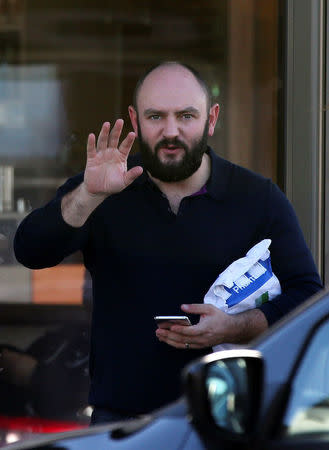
pixel 245 284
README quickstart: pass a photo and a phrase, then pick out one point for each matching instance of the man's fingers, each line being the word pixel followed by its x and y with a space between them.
pixel 198 308
pixel 186 331
pixel 179 334
pixel 178 344
pixel 107 139
pixel 91 148
pixel 115 134
pixel 127 143
pixel 103 136
pixel 132 174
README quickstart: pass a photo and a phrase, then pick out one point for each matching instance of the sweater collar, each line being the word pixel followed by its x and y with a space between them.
pixel 219 176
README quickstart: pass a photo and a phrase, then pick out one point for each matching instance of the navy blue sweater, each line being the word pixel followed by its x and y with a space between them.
pixel 146 261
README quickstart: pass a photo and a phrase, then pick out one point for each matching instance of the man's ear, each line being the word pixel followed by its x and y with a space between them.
pixel 133 118
pixel 213 116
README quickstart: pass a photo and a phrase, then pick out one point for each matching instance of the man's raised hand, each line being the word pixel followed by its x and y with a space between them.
pixel 106 168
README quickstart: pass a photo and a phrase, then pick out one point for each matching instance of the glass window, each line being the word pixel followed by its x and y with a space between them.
pixel 45 370
pixel 67 66
pixel 308 408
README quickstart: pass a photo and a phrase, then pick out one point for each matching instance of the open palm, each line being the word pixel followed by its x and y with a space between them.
pixel 106 167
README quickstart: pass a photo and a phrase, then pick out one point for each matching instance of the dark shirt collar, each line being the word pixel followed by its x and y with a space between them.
pixel 216 184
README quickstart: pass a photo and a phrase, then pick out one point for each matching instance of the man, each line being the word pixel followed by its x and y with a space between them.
pixel 155 236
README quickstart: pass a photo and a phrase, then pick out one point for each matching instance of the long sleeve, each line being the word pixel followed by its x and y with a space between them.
pixel 43 238
pixel 291 259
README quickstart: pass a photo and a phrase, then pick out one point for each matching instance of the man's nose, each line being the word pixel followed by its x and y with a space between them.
pixel 170 128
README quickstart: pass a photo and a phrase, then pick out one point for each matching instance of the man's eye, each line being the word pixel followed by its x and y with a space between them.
pixel 155 117
pixel 187 116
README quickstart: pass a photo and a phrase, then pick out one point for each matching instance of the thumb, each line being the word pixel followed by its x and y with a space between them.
pixel 198 308
pixel 132 174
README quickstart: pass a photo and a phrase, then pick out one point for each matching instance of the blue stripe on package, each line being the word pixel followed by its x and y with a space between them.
pixel 251 284
pixel 246 283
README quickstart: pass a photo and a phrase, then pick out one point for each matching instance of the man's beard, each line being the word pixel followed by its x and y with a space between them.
pixel 173 170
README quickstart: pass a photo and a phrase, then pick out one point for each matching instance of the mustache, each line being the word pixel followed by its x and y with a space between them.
pixel 170 142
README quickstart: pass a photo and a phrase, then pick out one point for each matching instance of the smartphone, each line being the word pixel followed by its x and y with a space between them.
pixel 179 320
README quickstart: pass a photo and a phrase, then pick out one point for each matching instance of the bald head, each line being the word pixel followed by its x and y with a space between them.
pixel 158 74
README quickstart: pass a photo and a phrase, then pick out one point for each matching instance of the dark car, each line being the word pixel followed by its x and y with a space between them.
pixel 273 394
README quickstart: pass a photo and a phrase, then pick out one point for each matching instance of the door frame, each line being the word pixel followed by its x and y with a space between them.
pixel 304 123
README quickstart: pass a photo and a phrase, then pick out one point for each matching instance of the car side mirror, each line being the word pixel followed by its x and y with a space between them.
pixel 223 393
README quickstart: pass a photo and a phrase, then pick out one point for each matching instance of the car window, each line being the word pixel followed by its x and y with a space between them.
pixel 44 371
pixel 308 408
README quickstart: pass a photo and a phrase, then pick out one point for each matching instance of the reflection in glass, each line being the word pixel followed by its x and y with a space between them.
pixel 49 377
pixel 227 385
pixel 308 409
pixel 66 67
